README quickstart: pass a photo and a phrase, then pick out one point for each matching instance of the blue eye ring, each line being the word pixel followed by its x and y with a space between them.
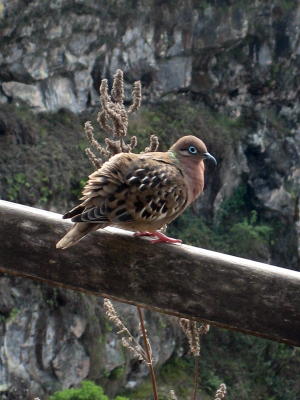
pixel 193 150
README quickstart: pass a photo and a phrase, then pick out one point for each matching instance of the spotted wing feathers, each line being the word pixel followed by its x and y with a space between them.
pixel 132 190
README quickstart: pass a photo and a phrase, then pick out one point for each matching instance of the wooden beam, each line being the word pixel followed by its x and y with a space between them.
pixel 185 281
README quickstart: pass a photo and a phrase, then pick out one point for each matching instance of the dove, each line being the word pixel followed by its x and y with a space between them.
pixel 140 192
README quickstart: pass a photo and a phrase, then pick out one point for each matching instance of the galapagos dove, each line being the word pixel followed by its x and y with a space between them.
pixel 140 192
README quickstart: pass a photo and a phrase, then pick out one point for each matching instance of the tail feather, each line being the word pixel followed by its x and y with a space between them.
pixel 76 233
pixel 75 211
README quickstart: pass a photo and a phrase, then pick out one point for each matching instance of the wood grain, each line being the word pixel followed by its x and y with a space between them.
pixel 185 281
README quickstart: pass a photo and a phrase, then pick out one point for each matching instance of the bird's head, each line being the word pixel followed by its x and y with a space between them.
pixel 191 150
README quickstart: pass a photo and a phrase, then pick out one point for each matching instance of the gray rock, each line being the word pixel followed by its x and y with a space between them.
pixel 180 78
pixel 59 92
pixel 36 67
pixel 71 365
pixel 278 200
pixel 265 55
pixel 47 340
pixel 29 94
pixel 79 43
pixel 83 86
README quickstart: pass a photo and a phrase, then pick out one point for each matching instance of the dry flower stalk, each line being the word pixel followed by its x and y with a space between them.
pixel 127 339
pixel 113 119
pixel 136 97
pixel 221 392
pixel 148 351
pixel 193 332
pixel 132 344
pixel 97 162
pixel 154 143
pixel 172 395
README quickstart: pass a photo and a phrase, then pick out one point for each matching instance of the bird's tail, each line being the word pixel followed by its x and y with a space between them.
pixel 76 233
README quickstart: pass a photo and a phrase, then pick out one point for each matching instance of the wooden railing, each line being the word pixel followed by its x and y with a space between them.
pixel 229 292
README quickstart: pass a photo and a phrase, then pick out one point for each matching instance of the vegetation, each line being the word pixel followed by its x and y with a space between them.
pixel 236 230
pixel 173 119
pixel 44 163
pixel 88 390
pixel 253 368
pixel 46 167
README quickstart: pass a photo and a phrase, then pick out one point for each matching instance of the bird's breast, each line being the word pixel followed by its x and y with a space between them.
pixel 194 177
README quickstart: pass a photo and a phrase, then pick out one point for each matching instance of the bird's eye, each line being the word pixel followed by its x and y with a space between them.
pixel 193 150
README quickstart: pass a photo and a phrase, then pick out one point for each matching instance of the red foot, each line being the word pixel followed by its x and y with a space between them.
pixel 161 238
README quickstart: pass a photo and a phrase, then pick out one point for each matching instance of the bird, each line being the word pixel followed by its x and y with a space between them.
pixel 140 192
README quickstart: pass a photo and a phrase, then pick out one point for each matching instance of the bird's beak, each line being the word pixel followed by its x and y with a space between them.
pixel 208 156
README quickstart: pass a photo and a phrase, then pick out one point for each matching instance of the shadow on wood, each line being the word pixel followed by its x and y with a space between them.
pixel 185 281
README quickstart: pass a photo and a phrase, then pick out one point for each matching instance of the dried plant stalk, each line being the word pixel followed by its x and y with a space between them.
pixel 103 122
pixel 114 110
pixel 129 342
pixel 193 333
pixel 133 143
pixel 97 162
pixel 118 87
pixel 221 392
pixel 153 145
pixel 149 354
pixel 113 146
pixel 89 131
pixel 127 339
pixel 136 97
pixel 172 395
pixel 113 119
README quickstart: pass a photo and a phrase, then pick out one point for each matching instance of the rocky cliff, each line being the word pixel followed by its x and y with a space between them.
pixel 227 71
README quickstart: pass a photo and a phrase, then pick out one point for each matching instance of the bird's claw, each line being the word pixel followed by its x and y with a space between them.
pixel 138 234
pixel 160 237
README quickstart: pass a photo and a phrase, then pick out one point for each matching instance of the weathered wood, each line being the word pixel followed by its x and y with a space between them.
pixel 226 291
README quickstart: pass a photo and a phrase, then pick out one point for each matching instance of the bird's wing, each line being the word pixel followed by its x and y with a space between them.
pixel 132 188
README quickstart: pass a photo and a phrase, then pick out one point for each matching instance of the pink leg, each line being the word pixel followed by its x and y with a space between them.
pixel 160 237
pixel 138 234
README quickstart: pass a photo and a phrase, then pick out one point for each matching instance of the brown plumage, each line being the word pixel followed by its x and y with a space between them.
pixel 140 192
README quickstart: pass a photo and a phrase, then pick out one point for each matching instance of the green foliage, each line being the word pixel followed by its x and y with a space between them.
pixel 287 5
pixel 45 189
pixel 117 373
pixel 54 166
pixel 77 187
pixel 246 238
pixel 192 230
pixel 3 317
pixel 234 207
pixel 211 381
pixel 15 184
pixel 142 392
pixel 88 390
pixel 236 230
pixel 172 119
pixel 13 313
pixel 256 368
pixel 51 298
pixel 121 398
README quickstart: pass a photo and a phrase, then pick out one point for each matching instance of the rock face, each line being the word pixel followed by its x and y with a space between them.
pixel 52 339
pixel 54 54
pixel 242 62
pixel 239 59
